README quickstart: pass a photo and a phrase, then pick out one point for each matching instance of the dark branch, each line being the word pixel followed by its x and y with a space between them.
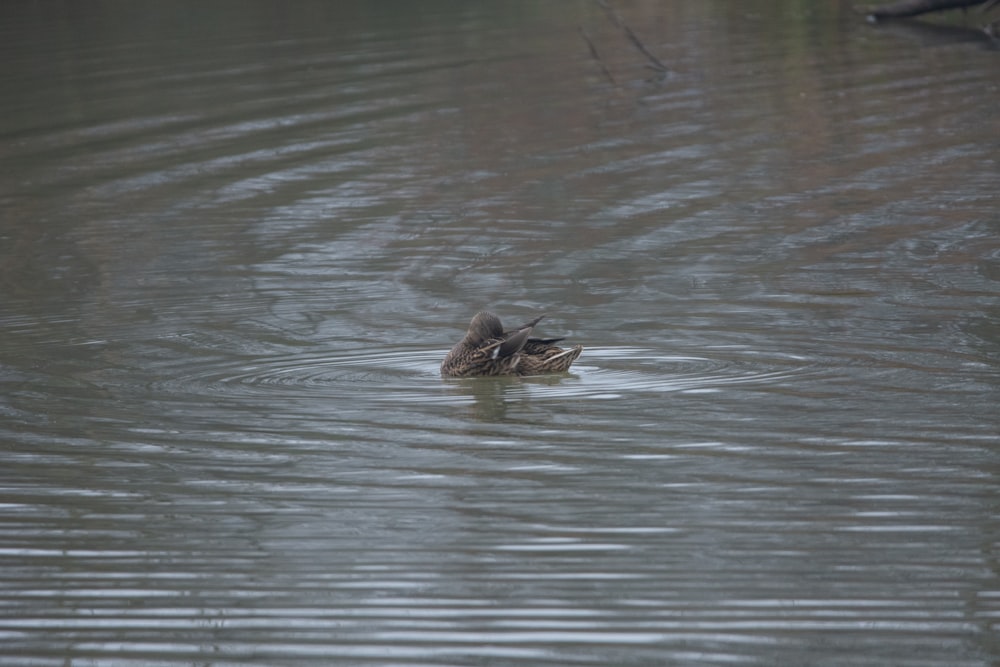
pixel 596 56
pixel 639 45
pixel 617 20
pixel 906 8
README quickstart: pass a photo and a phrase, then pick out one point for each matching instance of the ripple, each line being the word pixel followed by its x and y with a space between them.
pixel 614 372
pixel 304 374
pixel 322 370
pixel 411 375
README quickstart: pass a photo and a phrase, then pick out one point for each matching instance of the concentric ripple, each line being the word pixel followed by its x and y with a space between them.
pixel 320 370
pixel 614 372
pixel 411 375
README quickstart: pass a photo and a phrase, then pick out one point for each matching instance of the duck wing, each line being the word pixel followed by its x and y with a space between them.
pixel 515 340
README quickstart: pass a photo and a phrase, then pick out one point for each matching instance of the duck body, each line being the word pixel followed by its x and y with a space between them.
pixel 488 350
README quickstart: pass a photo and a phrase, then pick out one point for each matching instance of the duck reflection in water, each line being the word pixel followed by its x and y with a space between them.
pixel 488 350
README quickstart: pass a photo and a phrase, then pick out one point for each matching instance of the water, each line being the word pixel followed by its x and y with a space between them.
pixel 238 239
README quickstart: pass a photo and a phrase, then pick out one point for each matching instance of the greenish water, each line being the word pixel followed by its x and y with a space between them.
pixel 238 238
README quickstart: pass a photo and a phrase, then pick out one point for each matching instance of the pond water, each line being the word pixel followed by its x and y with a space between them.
pixel 238 238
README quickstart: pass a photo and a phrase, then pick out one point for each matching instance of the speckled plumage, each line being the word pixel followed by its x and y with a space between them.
pixel 488 350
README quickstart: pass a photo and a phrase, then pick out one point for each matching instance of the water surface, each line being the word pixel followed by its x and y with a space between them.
pixel 239 238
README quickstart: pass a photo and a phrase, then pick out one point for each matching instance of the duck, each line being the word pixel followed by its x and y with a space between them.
pixel 488 350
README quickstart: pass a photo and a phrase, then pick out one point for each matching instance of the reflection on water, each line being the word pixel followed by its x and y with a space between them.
pixel 237 244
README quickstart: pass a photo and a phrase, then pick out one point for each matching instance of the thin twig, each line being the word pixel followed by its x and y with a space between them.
pixel 639 45
pixel 612 14
pixel 597 56
pixel 617 20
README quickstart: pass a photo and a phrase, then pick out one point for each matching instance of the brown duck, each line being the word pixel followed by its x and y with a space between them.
pixel 487 349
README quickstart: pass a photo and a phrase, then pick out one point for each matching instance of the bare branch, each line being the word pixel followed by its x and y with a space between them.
pixel 907 8
pixel 596 56
pixel 639 45
pixel 617 20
